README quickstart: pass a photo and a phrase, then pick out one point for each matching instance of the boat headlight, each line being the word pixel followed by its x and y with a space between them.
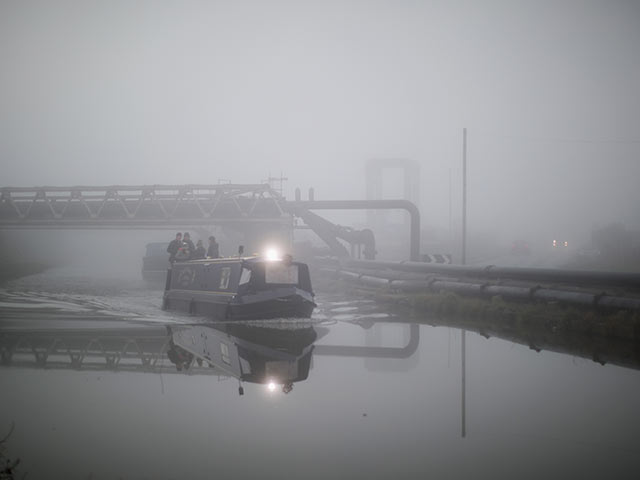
pixel 271 386
pixel 272 254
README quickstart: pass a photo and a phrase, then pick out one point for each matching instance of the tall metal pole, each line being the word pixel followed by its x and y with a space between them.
pixel 464 261
pixel 464 383
pixel 464 196
pixel 451 239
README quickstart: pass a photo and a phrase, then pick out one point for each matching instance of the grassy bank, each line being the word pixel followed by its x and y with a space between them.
pixel 475 313
pixel 553 317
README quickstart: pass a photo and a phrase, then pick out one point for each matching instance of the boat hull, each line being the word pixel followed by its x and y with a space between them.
pixel 239 288
pixel 194 306
pixel 289 305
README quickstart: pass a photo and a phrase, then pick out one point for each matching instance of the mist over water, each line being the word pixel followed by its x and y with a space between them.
pixel 576 415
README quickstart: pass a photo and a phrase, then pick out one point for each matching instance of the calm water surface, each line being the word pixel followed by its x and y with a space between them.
pixel 382 398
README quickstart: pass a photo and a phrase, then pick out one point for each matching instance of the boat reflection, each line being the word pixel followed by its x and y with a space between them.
pixel 269 354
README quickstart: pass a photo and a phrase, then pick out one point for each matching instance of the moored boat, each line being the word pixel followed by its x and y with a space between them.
pixel 155 262
pixel 242 288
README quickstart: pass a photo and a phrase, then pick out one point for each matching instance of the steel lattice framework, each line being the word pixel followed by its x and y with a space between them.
pixel 147 206
pixel 251 208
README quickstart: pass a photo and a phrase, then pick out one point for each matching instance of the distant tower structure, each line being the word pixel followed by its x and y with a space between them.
pixel 374 174
pixel 277 183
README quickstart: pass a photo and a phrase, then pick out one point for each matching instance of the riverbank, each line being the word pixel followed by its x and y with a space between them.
pixel 553 317
pixel 498 313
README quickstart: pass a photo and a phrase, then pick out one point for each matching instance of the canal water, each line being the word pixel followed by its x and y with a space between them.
pixel 383 396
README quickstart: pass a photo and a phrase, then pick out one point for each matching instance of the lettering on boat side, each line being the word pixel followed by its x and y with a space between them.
pixel 186 277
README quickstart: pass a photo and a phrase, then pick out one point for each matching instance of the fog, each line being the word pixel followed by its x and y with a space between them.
pixel 163 92
pixel 142 92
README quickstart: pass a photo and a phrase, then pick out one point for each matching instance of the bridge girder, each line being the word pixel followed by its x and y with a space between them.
pixel 147 206
pixel 244 207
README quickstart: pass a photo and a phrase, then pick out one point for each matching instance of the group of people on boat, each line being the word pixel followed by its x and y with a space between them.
pixel 182 248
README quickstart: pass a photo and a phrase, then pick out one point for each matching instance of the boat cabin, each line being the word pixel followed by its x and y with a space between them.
pixel 240 287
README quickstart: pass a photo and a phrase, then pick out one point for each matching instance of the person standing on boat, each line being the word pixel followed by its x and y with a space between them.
pixel 184 253
pixel 214 249
pixel 187 239
pixel 173 247
pixel 199 252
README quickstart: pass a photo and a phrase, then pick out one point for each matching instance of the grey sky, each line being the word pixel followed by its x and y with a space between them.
pixel 104 92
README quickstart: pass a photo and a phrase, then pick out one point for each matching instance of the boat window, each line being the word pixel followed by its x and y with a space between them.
pixel 225 274
pixel 245 276
pixel 278 272
pixel 245 366
pixel 224 349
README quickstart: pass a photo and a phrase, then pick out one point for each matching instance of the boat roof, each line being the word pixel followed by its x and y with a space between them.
pixel 217 260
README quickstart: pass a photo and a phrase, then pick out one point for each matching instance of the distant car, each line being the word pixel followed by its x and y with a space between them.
pixel 520 247
pixel 560 244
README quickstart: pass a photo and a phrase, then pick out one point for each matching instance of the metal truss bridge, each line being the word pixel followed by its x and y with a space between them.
pixel 149 206
pixel 248 207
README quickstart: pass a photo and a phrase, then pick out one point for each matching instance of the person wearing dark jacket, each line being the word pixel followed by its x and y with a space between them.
pixel 199 251
pixel 187 239
pixel 173 247
pixel 214 249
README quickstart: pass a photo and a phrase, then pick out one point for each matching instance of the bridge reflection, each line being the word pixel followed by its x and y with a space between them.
pixel 257 353
pixel 254 352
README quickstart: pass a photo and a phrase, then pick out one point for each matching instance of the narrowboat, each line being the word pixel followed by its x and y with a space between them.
pixel 242 288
